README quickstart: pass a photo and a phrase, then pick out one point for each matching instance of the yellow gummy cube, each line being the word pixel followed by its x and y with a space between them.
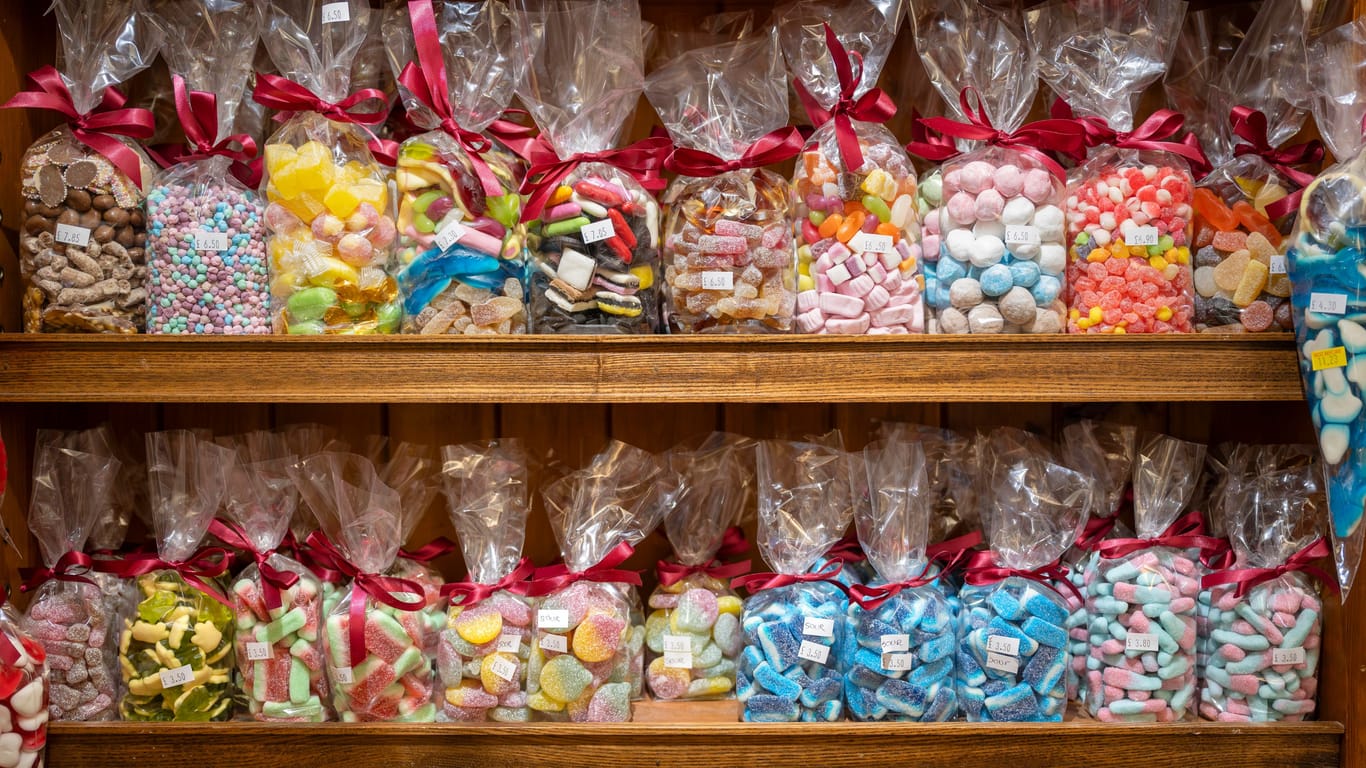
pixel 805 283
pixel 305 206
pixel 286 181
pixel 277 156
pixel 372 191
pixel 341 200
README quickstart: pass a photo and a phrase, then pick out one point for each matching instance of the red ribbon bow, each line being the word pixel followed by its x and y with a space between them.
pixel 517 137
pixel 313 561
pixel 96 129
pixel 272 579
pixel 643 160
pixel 870 597
pixel 71 566
pixel 553 578
pixel 953 552
pixel 1250 126
pixel 379 588
pixel 1036 139
pixel 472 593
pixel 757 582
pixel 438 547
pixel 982 570
pixel 874 106
pixel 207 563
pixel 289 98
pixel 773 147
pixel 848 549
pixel 935 147
pixel 672 573
pixel 1247 578
pixel 198 113
pixel 426 80
pixel 1150 135
pixel 1186 532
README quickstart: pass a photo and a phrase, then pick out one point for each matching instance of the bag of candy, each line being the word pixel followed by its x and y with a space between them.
pixel 176 649
pixel 728 258
pixel 69 615
pixel 83 240
pixel 1012 654
pixel 1329 290
pixel 900 661
pixel 277 601
pixel 587 662
pixel 1265 614
pixel 412 471
pixel 858 240
pixel 1128 208
pixel 329 219
pixel 461 242
pixel 127 494
pixel 1246 205
pixel 595 226
pixel 1148 587
pixel 206 244
pixel 1000 267
pixel 794 619
pixel 693 632
pixel 23 690
pixel 483 650
pixel 375 637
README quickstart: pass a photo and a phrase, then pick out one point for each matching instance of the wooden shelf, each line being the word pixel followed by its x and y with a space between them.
pixel 704 745
pixel 731 369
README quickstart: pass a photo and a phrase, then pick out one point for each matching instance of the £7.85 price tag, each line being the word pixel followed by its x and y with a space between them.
pixel 70 235
pixel 598 230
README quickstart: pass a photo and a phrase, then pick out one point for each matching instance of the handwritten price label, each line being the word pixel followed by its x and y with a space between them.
pixel 1281 656
pixel 334 13
pixel 865 242
pixel 449 235
pixel 718 281
pixel 212 241
pixel 897 662
pixel 556 643
pixel 1277 265
pixel 1022 234
pixel 258 651
pixel 69 235
pixel 509 643
pixel 504 668
pixel 1328 303
pixel 813 652
pixel 678 643
pixel 1010 646
pixel 1140 641
pixel 343 675
pixel 170 678
pixel 1333 357
pixel 598 230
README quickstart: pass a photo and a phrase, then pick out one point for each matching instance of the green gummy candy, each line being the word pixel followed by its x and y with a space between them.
pixel 287 624
pixel 311 303
pixel 298 682
pixel 311 328
pixel 567 227
pixel 388 317
pixel 424 201
pixel 877 207
pixel 157 605
pixel 423 224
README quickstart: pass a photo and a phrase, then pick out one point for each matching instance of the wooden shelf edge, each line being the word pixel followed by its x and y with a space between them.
pixel 709 745
pixel 714 369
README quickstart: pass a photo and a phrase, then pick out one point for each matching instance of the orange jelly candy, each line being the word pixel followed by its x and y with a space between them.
pixel 1256 222
pixel 1209 206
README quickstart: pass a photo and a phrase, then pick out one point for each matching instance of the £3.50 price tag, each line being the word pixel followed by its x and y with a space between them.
pixel 171 678
pixel 1009 646
pixel 813 652
pixel 258 651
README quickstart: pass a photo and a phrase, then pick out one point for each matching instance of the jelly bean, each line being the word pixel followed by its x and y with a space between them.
pixel 279 651
pixel 1003 673
pixel 790 668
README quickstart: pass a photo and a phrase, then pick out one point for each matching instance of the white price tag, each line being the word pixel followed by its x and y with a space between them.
pixel 336 12
pixel 1140 641
pixel 677 660
pixel 598 230
pixel 342 675
pixel 1022 234
pixel 677 644
pixel 449 235
pixel 864 242
pixel 552 619
pixel 509 643
pixel 1142 236
pixel 1281 656
pixel 895 643
pixel 813 652
pixel 1277 265
pixel 1009 646
pixel 1007 664
pixel 556 643
pixel 818 627
pixel 212 241
pixel 504 668
pixel 170 678
pixel 1328 303
pixel 897 662
pixel 718 281
pixel 258 651
pixel 69 235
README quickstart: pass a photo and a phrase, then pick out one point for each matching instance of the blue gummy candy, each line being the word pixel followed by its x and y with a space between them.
pixel 935 618
pixel 779 645
pixel 1016 704
pixel 1005 604
pixel 969 671
pixel 864 677
pixel 821 691
pixel 771 709
pixel 926 674
pixel 939 648
pixel 1043 607
pixel 775 683
pixel 1002 628
pixel 862 702
pixel 1048 634
pixel 830 711
pixel 1045 670
pixel 943 707
pixel 901 696
pixel 994 687
pixel 972 700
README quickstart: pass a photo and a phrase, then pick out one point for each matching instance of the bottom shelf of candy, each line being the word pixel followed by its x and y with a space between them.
pixel 699 742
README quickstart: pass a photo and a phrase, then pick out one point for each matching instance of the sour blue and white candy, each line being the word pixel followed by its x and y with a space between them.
pixel 1012 653
pixel 899 665
pixel 790 667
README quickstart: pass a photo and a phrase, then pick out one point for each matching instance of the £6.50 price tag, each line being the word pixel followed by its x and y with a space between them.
pixel 718 281
pixel 1022 234
pixel 866 242
pixel 336 12
pixel 212 241
pixel 813 652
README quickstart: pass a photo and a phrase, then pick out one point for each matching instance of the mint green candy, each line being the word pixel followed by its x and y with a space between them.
pixel 877 207
pixel 309 328
pixel 311 303
pixel 388 317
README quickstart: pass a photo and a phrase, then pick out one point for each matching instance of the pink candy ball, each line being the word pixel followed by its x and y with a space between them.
pixel 976 176
pixel 1038 185
pixel 988 205
pixel 1009 180
pixel 962 208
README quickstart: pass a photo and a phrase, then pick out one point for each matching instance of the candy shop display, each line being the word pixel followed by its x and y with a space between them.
pixel 1329 290
pixel 898 664
pixel 791 667
pixel 595 265
pixel 206 238
pixel 461 251
pixel 374 635
pixel 693 629
pixel 1141 603
pixel 1128 208
pixel 329 220
pixel 586 664
pixel 1012 656
pixel 1001 266
pixel 176 650
pixel 69 616
pixel 484 647
pixel 23 694
pixel 1265 631
pixel 728 254
pixel 276 601
pixel 858 244
pixel 83 237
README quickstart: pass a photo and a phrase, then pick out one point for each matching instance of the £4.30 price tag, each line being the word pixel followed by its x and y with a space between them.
pixel 549 618
pixel 1140 641
pixel 1142 236
pixel 258 651
pixel 1328 303
pixel 66 234
pixel 556 643
pixel 1281 656
pixel 336 12
pixel 1002 663
pixel 1009 646
pixel 813 652
pixel 504 668
pixel 598 230
pixel 170 678
pixel 818 627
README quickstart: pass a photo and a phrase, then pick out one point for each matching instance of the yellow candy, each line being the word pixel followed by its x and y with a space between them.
pixel 372 191
pixel 1083 323
pixel 1158 263
pixel 330 272
pixel 711 686
pixel 1163 313
pixel 277 156
pixel 540 702
pixel 305 206
pixel 1139 251
pixel 1098 254
pixel 1074 314
pixel 493 682
pixel 479 626
pixel 729 604
pixel 341 200
pixel 646 274
pixel 1182 255
pixel 287 181
pixel 805 283
pixel 560 195
pixel 1119 329
pixel 1095 315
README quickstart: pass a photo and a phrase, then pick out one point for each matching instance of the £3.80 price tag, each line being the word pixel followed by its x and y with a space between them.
pixel 1140 641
